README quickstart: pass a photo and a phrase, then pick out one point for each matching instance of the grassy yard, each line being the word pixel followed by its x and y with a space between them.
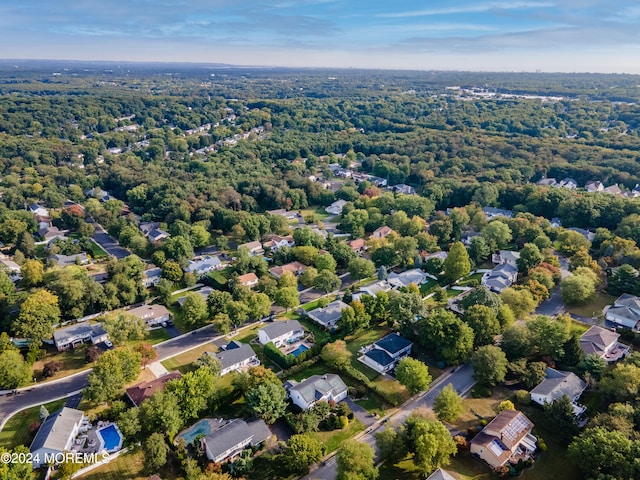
pixel 184 361
pixel 426 287
pixel 471 280
pixel 72 361
pixel 16 431
pixel 593 308
pixel 333 439
pixel 130 466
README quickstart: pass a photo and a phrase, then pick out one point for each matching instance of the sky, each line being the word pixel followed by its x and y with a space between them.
pixel 503 35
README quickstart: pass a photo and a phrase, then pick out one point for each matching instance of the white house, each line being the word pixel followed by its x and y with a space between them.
pixel 404 279
pixel 384 354
pixel 557 384
pixel 403 189
pixel 501 277
pixel 372 289
pixel 277 242
pixel 281 333
pixel 625 311
pixel 288 214
pixel 235 357
pixel 254 248
pixel 382 232
pixel 248 280
pixel 152 277
pixel 336 207
pixel 594 187
pixel 204 265
pixel 315 389
pixel 506 438
pixel 56 434
pixel 491 213
pixel 38 210
pixel 152 314
pixel 230 439
pixel 569 183
pixel 328 316
pixel 74 335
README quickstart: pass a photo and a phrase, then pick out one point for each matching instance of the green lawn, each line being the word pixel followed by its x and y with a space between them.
pixel 184 361
pixel 72 361
pixel 426 287
pixel 16 431
pixel 130 466
pixel 471 280
pixel 593 308
pixel 333 439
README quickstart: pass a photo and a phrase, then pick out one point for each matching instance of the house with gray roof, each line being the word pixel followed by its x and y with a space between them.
pixel 501 277
pixel 491 213
pixel 385 354
pixel 505 256
pixel 254 248
pixel 203 265
pixel 229 440
pixel 336 207
pixel 74 335
pixel 406 278
pixel 558 384
pixel 152 277
pixel 152 314
pixel 372 289
pixel 328 316
pixel 604 343
pixel 441 474
pixel 236 356
pixel 625 311
pixel 204 292
pixel 76 259
pixel 281 333
pixel 317 388
pixel 56 434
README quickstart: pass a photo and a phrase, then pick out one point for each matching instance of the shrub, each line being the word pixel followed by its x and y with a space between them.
pixel 481 391
pixel 483 423
pixel 344 422
pixel 51 368
pixel 523 397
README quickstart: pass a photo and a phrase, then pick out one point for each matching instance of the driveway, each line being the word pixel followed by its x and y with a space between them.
pixel 108 243
pixel 360 413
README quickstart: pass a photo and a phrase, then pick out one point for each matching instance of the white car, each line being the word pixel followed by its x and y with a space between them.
pixel 108 343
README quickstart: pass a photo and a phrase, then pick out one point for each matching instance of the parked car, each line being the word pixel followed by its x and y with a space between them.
pixel 108 343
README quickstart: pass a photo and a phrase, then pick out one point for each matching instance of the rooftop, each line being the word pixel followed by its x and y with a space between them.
pixel 393 343
pixel 277 329
pixel 235 353
pixel 55 431
pixel 140 392
pixel 316 387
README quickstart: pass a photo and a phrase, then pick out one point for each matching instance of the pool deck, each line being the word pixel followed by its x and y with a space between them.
pixel 293 347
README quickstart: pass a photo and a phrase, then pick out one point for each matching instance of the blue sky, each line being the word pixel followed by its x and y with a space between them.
pixel 503 35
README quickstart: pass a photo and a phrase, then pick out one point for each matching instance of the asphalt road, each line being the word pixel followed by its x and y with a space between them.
pixel 462 380
pixel 108 243
pixel 50 391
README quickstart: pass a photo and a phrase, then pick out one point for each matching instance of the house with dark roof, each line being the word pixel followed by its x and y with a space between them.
pixel 328 316
pixel 74 335
pixel 625 311
pixel 558 384
pixel 604 343
pixel 385 354
pixel 229 440
pixel 506 438
pixel 140 392
pixel 316 388
pixel 501 277
pixel 56 434
pixel 236 356
pixel 281 333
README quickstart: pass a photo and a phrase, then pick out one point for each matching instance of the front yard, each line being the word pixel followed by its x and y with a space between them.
pixel 594 307
pixel 17 432
pixel 184 361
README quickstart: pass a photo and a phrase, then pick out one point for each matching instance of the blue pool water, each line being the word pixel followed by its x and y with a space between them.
pixel 299 350
pixel 111 437
pixel 201 428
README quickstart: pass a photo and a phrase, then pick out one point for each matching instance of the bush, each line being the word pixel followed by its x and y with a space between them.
pixel 274 353
pixel 344 422
pixel 523 397
pixel 481 391
pixel 92 354
pixel 51 368
pixel 483 423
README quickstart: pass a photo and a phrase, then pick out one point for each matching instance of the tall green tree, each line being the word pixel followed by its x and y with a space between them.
pixel 267 400
pixel 457 264
pixel 413 374
pixel 38 313
pixel 113 370
pixel 448 404
pixel 356 461
pixel 302 451
pixel 489 365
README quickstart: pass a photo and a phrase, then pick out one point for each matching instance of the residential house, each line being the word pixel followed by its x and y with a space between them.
pixel 604 343
pixel 501 277
pixel 76 259
pixel 557 384
pixel 382 232
pixel 569 183
pixel 248 279
pixel 74 335
pixel 441 474
pixel 140 392
pixel 316 388
pixel 254 248
pixel 404 279
pixel 56 434
pixel 506 438
pixel 153 315
pixel 204 292
pixel 236 356
pixel 157 235
pixel 372 289
pixel 585 233
pixel 403 189
pixel 466 237
pixel 98 193
pixel 233 437
pixel 384 354
pixel 281 333
pixel 336 207
pixel 38 210
pixel 277 242
pixel 11 267
pixel 491 213
pixel 294 267
pixel 441 255
pixel 358 245
pixel 592 187
pixel 152 277
pixel 49 234
pixel 328 316
pixel 613 190
pixel 505 256
pixel 625 311
pixel 288 214
pixel 547 182
pixel 204 265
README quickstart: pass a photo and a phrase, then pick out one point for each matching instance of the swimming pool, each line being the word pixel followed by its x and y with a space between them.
pixel 203 427
pixel 111 438
pixel 299 350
